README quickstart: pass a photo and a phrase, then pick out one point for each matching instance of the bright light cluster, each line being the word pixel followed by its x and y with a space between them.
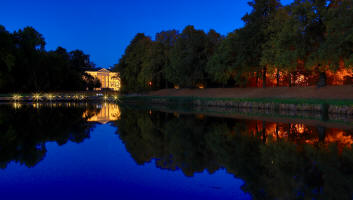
pixel 36 96
pixel 16 97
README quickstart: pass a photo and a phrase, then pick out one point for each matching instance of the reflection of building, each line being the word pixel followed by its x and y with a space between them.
pixel 107 113
pixel 108 79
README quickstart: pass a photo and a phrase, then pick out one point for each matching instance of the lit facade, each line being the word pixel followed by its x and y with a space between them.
pixel 108 79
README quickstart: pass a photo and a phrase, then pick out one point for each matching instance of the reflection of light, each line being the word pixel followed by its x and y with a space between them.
pixel 176 114
pixel 105 97
pixel 150 83
pixel 300 134
pixel 200 116
pixel 16 105
pixel 36 105
pixel 108 112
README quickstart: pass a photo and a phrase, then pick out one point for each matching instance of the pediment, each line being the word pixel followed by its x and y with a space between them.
pixel 103 70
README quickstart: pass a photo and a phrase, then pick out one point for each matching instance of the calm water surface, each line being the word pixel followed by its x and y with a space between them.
pixel 81 151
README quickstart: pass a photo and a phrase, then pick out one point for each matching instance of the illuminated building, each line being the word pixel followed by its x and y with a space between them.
pixel 109 80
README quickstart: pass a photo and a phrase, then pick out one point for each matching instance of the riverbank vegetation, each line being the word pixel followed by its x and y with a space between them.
pixel 302 44
pixel 25 65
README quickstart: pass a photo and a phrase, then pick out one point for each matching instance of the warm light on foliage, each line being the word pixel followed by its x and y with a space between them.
pixel 340 77
pixel 201 86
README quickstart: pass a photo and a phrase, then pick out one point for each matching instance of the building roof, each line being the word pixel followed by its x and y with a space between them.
pixel 96 69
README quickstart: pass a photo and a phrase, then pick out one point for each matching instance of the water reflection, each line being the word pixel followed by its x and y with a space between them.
pixel 108 113
pixel 301 133
pixel 26 128
pixel 276 160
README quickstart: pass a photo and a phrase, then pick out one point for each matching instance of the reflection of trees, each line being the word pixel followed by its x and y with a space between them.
pixel 24 131
pixel 276 163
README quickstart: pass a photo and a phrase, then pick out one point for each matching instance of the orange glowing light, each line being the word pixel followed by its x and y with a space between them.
pixel 300 128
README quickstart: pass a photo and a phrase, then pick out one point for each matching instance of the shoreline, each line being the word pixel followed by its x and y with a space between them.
pixel 321 106
pixel 325 100
pixel 312 119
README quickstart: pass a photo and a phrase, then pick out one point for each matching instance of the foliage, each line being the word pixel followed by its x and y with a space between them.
pixel 188 58
pixel 25 65
pixel 296 43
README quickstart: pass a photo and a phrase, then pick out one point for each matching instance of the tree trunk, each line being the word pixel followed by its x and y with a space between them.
pixel 264 77
pixel 264 131
pixel 257 79
pixel 166 84
pixel 322 133
pixel 290 79
pixel 277 76
pixel 277 132
pixel 322 80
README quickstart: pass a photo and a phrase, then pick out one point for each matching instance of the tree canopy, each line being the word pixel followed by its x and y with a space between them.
pixel 308 42
pixel 25 65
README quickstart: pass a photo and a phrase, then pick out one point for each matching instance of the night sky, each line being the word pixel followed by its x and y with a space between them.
pixel 103 28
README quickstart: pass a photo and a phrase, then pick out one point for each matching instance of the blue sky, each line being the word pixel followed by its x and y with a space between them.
pixel 103 28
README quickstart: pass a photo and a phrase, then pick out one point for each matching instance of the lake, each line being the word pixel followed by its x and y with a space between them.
pixel 110 151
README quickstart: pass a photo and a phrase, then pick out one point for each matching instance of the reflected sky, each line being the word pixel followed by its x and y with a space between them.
pixel 106 151
pixel 101 168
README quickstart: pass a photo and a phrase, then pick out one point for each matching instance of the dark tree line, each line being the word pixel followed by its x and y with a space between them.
pixel 305 43
pixel 25 65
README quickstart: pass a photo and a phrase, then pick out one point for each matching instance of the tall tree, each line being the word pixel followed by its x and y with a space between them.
pixel 335 49
pixel 7 58
pixel 167 39
pixel 27 67
pixel 132 62
pixel 188 58
pixel 30 46
pixel 221 65
pixel 254 36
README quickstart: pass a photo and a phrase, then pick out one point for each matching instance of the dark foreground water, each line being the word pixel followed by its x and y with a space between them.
pixel 80 151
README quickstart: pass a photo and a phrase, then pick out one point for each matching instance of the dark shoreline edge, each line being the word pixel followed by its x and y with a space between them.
pixel 319 106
